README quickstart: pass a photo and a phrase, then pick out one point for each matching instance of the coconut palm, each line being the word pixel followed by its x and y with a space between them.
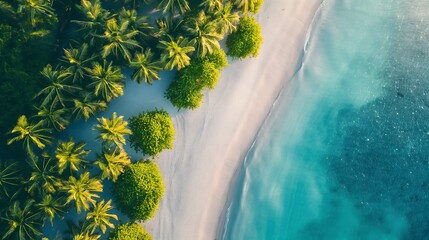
pixel 107 80
pixel 247 5
pixel 226 20
pixel 112 130
pixel 23 223
pixel 82 191
pixel 70 156
pixel 36 9
pixel 136 21
pixel 42 179
pixel 168 27
pixel 120 38
pixel 95 18
pixel 175 53
pixel 86 106
pixel 77 60
pixel 53 117
pixel 6 10
pixel 203 33
pixel 172 5
pixel 99 217
pixel 145 69
pixel 30 134
pixel 112 163
pixel 9 178
pixel 58 86
pixel 51 206
pixel 86 236
pixel 211 5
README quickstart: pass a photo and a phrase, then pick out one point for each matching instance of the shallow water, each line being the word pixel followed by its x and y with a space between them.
pixel 343 154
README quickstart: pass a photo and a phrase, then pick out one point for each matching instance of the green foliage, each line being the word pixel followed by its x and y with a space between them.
pixel 246 40
pixel 152 132
pixel 139 190
pixel 185 91
pixel 130 231
pixel 246 6
pixel 217 58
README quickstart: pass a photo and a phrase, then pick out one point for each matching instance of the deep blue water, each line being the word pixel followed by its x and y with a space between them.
pixel 345 152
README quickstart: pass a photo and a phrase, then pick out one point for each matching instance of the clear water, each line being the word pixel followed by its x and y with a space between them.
pixel 344 154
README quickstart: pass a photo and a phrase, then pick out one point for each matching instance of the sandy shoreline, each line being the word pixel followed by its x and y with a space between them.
pixel 212 140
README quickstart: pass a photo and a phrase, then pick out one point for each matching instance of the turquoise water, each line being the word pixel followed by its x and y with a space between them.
pixel 344 152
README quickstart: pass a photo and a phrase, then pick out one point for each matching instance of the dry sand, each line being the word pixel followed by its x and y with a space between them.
pixel 212 141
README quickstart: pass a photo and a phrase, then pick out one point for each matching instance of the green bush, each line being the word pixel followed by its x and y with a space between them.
pixel 153 132
pixel 185 91
pixel 217 58
pixel 257 6
pixel 129 231
pixel 246 40
pixel 138 190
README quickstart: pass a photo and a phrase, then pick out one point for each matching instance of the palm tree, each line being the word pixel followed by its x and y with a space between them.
pixel 120 39
pixel 211 5
pixel 99 217
pixel 23 223
pixel 77 60
pixel 136 21
pixel 35 9
pixel 86 236
pixel 173 5
pixel 95 18
pixel 168 27
pixel 58 86
pixel 9 178
pixel 52 117
pixel 107 80
pixel 42 179
pixel 145 69
pixel 112 163
pixel 226 19
pixel 247 5
pixel 31 134
pixel 51 206
pixel 112 130
pixel 204 34
pixel 86 106
pixel 175 53
pixel 70 156
pixel 82 191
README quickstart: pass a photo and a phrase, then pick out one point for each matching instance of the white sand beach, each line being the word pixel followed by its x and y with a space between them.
pixel 212 141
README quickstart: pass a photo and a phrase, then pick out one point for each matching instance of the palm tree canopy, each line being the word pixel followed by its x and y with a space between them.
pixel 211 5
pixel 87 106
pixel 136 21
pixel 145 69
pixel 31 134
pixel 42 179
pixel 120 39
pixel 107 80
pixel 175 53
pixel 113 129
pixel 23 223
pixel 36 9
pixel 53 117
pixel 112 163
pixel 51 206
pixel 77 60
pixel 70 155
pixel 204 34
pixel 58 86
pixel 226 20
pixel 82 191
pixel 172 5
pixel 9 178
pixel 99 217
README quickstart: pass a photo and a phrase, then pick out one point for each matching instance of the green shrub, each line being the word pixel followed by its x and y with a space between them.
pixel 257 6
pixel 217 58
pixel 246 40
pixel 185 91
pixel 129 231
pixel 138 190
pixel 153 132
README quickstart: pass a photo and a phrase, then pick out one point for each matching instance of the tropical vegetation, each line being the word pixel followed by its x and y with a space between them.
pixel 66 61
pixel 139 190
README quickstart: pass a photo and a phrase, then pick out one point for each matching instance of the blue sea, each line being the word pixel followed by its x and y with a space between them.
pixel 344 153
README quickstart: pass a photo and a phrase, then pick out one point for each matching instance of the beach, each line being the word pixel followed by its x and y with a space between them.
pixel 212 141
